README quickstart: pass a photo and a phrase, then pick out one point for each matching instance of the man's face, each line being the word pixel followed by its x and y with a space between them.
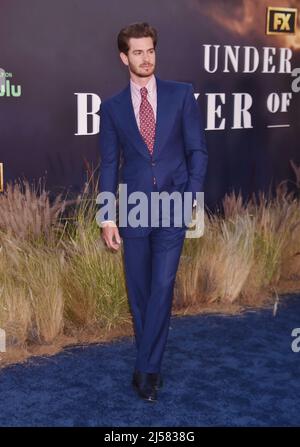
pixel 141 56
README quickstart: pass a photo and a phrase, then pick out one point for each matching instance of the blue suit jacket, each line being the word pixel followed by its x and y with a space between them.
pixel 179 158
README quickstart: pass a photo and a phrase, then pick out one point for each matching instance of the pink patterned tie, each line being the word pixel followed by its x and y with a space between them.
pixel 147 121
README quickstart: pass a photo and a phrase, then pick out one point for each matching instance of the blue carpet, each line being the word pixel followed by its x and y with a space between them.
pixel 218 371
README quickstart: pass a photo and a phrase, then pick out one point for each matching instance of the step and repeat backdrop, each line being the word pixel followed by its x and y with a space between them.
pixel 59 60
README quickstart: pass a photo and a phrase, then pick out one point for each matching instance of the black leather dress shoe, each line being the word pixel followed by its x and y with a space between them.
pixel 156 380
pixel 142 383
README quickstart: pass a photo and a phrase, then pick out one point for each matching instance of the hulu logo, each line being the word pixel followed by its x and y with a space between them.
pixel 6 88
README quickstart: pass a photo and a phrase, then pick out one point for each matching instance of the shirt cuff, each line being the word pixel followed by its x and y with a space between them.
pixel 107 223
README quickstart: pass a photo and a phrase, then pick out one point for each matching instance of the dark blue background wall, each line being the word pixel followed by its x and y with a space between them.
pixel 57 48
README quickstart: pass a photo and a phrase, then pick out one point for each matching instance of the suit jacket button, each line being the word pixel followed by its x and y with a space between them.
pixel 153 163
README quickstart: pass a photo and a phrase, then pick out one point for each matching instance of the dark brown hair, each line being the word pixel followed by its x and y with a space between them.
pixel 141 29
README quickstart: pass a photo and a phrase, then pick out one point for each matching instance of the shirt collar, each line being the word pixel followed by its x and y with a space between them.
pixel 151 86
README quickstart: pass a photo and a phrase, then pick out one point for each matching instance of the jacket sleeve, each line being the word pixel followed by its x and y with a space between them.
pixel 195 143
pixel 109 152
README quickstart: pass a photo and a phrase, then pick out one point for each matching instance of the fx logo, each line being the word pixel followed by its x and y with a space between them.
pixel 281 20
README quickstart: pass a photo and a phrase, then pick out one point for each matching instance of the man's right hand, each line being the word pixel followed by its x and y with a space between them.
pixel 110 235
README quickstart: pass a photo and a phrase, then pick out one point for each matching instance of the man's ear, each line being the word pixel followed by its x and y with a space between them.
pixel 124 58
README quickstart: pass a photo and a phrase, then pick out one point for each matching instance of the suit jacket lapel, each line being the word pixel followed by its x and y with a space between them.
pixel 163 102
pixel 127 112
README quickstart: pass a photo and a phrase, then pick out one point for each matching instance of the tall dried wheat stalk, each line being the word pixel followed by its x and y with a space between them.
pixel 45 287
pixel 93 281
pixel 31 300
pixel 26 211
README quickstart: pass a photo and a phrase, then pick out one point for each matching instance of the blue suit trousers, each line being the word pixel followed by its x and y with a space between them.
pixel 151 263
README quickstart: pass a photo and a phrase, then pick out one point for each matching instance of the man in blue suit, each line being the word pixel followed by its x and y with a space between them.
pixel 151 140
